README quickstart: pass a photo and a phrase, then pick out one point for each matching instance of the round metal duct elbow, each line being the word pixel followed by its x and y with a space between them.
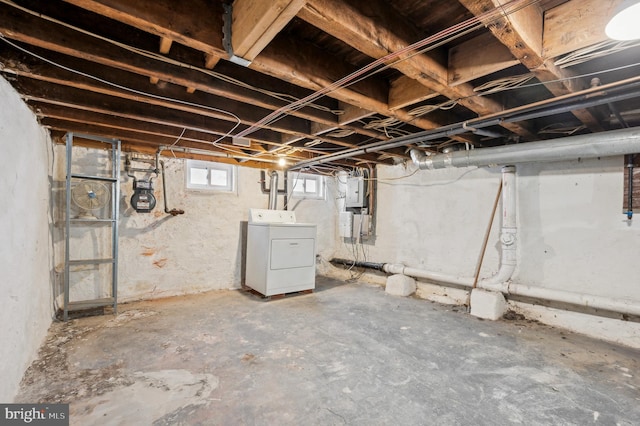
pixel 421 159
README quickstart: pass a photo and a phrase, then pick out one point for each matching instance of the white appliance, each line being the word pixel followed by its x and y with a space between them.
pixel 281 254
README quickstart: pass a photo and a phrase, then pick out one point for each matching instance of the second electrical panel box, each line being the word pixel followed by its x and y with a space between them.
pixel 355 192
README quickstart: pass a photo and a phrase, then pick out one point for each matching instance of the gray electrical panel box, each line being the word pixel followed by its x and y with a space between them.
pixel 361 227
pixel 355 192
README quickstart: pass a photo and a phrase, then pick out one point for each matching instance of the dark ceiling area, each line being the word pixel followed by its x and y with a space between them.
pixel 320 84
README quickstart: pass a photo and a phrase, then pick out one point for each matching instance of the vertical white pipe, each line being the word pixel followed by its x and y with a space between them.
pixel 508 233
pixel 273 191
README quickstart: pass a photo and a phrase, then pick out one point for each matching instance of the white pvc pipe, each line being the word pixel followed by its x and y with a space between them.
pixel 398 268
pixel 508 257
pixel 500 281
pixel 508 232
pixel 595 302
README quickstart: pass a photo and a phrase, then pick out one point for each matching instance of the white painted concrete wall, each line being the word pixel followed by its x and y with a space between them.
pixel 433 220
pixel 573 235
pixel 202 250
pixel 25 245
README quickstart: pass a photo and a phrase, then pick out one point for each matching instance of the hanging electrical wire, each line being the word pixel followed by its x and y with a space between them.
pixel 410 49
pixel 598 50
pixel 561 129
pixel 341 133
pixel 502 84
pixel 128 89
pixel 159 57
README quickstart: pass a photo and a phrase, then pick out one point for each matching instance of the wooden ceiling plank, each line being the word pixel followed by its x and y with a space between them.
pixel 405 91
pixel 52 92
pixel 61 95
pixel 574 25
pixel 465 64
pixel 381 31
pixel 300 63
pixel 352 113
pixel 171 19
pixel 256 23
pixel 521 33
pixel 315 69
pixel 45 72
pixel 29 29
pixel 143 146
pixel 50 112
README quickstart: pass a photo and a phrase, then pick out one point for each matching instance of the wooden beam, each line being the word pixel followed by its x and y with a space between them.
pixel 44 72
pixel 316 69
pixel 149 148
pixel 202 104
pixel 195 23
pixel 380 31
pixel 52 99
pixel 165 45
pixel 297 62
pixel 405 91
pixel 478 57
pixel 521 33
pixel 68 114
pixel 256 23
pixel 154 80
pixel 32 30
pixel 352 113
pixel 67 96
pixel 210 61
pixel 574 25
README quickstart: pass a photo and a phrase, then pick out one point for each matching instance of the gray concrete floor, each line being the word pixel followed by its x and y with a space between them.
pixel 346 354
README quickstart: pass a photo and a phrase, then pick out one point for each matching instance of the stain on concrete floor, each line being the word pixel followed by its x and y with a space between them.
pixel 346 354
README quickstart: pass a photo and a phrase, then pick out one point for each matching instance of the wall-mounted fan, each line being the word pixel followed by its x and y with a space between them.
pixel 89 196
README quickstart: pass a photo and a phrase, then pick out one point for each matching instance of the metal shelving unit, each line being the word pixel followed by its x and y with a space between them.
pixel 113 181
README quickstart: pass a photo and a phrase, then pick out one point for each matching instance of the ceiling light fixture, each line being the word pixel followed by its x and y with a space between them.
pixel 624 23
pixel 282 162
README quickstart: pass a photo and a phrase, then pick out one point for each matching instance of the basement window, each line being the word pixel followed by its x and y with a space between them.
pixel 304 185
pixel 211 176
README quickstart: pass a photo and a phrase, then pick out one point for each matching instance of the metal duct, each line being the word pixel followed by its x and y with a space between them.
pixel 273 191
pixel 617 142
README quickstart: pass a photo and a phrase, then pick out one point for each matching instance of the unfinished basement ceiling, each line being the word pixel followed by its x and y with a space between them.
pixel 155 73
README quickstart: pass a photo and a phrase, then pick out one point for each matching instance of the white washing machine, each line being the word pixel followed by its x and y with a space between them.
pixel 281 254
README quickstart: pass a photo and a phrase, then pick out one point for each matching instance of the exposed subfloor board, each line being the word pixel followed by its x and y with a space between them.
pixel 345 354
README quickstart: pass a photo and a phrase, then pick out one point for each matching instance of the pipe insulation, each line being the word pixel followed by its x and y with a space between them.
pixel 617 142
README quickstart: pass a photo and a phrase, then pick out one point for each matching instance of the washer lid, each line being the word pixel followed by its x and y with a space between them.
pixel 271 216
